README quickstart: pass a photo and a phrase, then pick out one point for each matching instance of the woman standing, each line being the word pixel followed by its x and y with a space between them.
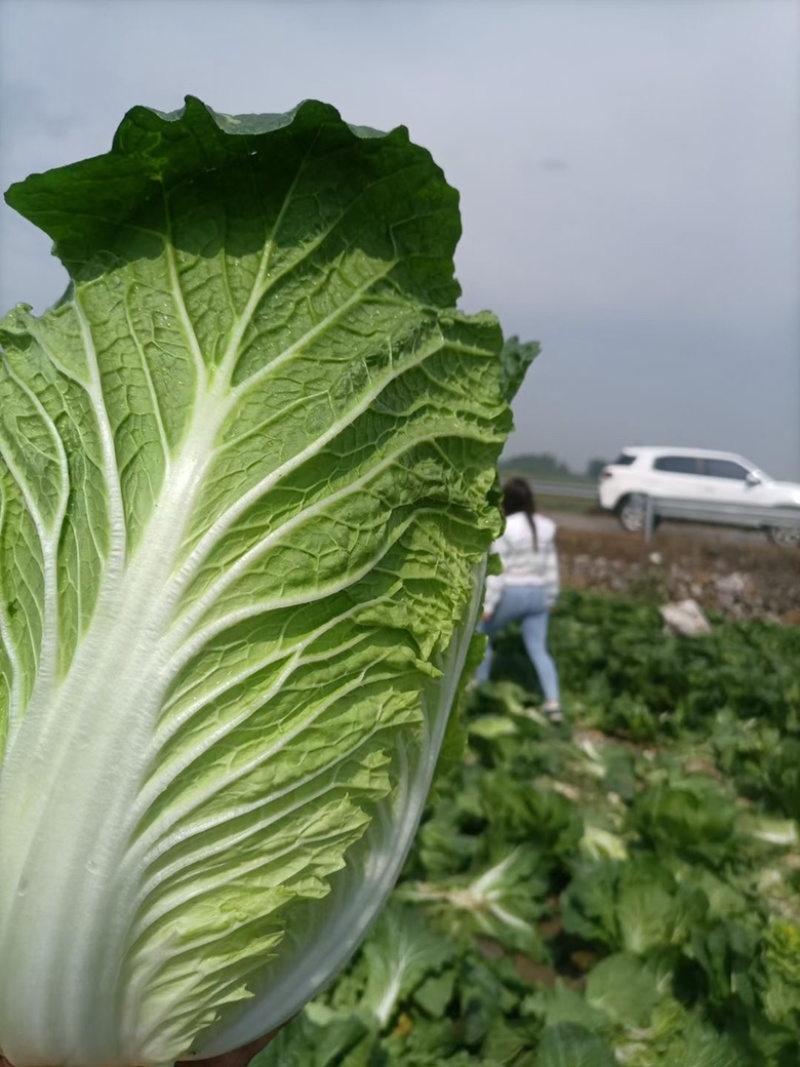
pixel 527 589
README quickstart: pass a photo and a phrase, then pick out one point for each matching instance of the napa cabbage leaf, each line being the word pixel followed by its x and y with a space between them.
pixel 247 471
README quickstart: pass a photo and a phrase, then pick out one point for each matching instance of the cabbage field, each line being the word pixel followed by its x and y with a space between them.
pixel 624 889
pixel 247 491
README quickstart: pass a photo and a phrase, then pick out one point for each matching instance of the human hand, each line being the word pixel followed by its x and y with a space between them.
pixel 239 1057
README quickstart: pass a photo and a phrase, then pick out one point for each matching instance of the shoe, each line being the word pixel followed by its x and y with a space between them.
pixel 553 712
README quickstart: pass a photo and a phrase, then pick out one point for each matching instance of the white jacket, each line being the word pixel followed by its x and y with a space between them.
pixel 521 564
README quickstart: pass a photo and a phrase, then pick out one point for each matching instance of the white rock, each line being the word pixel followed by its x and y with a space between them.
pixel 685 617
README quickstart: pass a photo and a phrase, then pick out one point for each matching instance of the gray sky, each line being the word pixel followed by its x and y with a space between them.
pixel 629 174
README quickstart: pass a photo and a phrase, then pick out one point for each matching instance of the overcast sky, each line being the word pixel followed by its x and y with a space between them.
pixel 629 174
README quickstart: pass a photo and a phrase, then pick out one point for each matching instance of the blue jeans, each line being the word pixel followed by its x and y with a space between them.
pixel 527 604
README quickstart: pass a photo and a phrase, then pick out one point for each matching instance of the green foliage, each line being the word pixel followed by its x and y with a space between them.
pixel 647 905
pixel 594 468
pixel 631 679
pixel 516 356
pixel 624 989
pixel 781 974
pixel 541 465
pixel 691 816
pixel 571 1045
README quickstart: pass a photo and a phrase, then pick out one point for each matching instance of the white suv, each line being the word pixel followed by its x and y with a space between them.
pixel 718 480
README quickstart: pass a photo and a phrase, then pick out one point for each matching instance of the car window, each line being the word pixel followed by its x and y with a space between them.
pixel 623 460
pixel 677 464
pixel 725 468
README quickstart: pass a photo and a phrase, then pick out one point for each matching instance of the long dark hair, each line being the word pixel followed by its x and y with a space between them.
pixel 518 496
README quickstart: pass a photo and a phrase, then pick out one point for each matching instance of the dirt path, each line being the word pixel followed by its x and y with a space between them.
pixel 737 573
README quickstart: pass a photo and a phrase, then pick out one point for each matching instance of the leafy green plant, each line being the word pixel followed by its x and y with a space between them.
pixel 689 815
pixel 633 680
pixel 247 487
pixel 781 974
pixel 665 934
pixel 504 901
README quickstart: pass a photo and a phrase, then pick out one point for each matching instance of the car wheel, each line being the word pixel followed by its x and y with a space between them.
pixel 785 536
pixel 632 513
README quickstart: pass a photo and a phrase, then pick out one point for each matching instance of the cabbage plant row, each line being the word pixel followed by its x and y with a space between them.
pixel 587 897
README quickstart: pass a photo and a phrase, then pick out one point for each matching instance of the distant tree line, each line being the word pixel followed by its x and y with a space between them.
pixel 550 468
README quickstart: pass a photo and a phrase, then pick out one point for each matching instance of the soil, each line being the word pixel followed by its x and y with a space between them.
pixel 737 575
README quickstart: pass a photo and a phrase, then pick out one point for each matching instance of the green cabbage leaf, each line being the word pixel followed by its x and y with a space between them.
pixel 247 490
